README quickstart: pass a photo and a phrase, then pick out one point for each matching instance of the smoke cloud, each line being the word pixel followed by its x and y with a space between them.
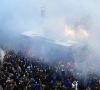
pixel 67 19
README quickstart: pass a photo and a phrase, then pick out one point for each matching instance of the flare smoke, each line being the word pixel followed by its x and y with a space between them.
pixel 2 54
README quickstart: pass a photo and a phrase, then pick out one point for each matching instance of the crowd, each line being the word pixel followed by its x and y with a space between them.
pixel 21 72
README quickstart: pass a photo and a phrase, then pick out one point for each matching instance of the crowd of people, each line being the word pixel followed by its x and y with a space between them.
pixel 21 72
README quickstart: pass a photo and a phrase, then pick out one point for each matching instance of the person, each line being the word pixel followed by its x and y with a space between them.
pixel 68 85
pixel 75 85
pixel 88 88
pixel 81 86
pixel 47 87
pixel 37 86
pixel 20 72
